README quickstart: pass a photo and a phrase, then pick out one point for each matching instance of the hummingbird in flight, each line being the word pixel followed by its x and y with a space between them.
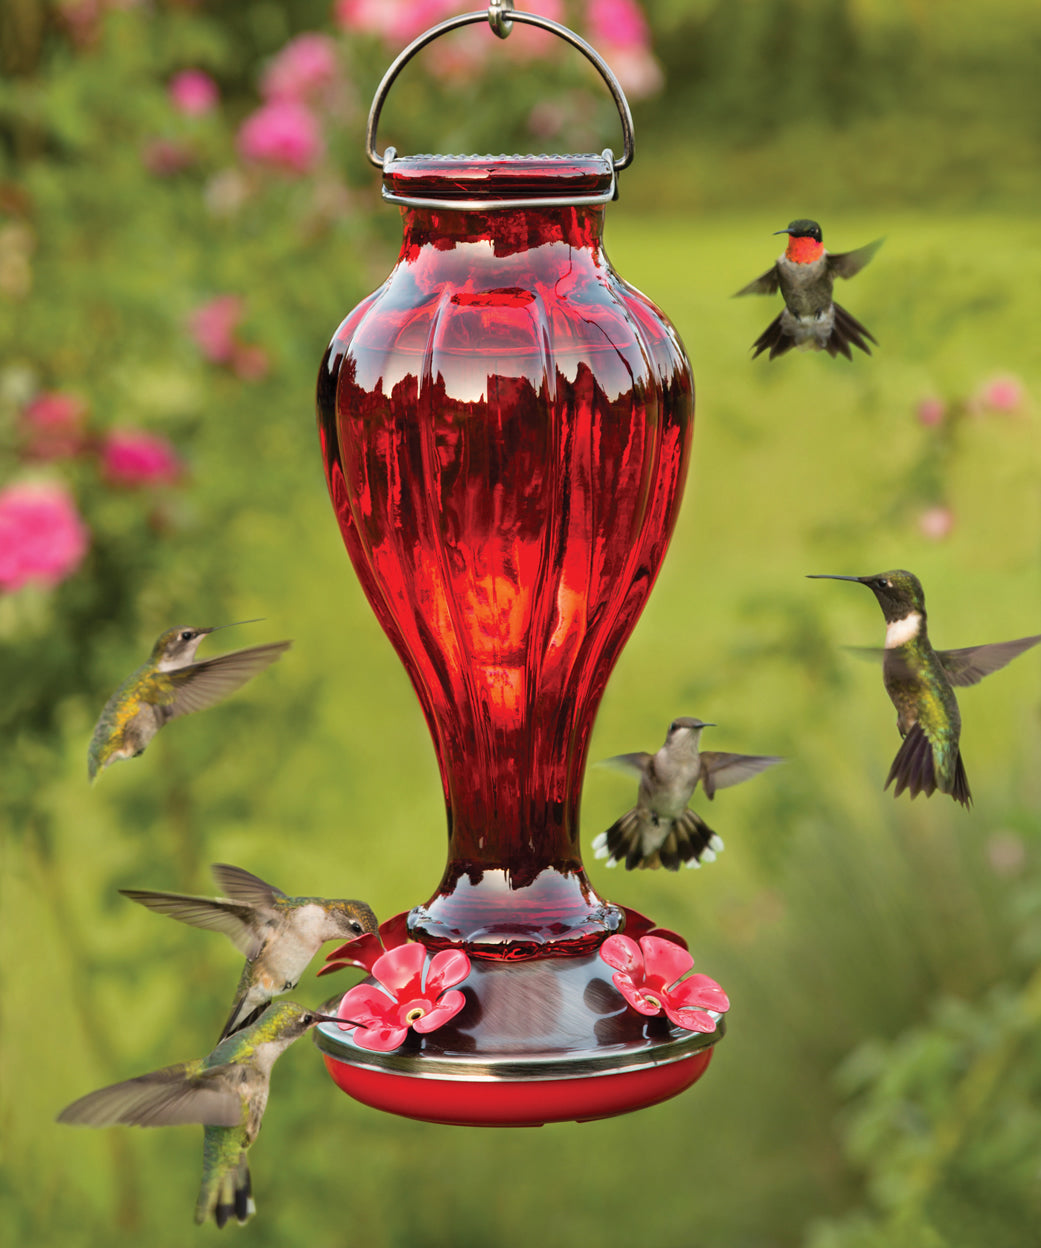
pixel 805 273
pixel 661 830
pixel 277 934
pixel 226 1092
pixel 171 683
pixel 920 682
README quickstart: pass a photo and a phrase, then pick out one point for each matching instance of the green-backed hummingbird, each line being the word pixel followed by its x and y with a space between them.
pixel 171 683
pixel 279 935
pixel 660 830
pixel 920 681
pixel 226 1092
pixel 805 273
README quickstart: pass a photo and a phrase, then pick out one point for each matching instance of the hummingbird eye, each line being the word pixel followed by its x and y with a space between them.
pixel 187 635
pixel 356 926
pixel 882 583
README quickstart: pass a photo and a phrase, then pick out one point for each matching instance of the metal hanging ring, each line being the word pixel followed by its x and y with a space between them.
pixel 494 14
pixel 497 18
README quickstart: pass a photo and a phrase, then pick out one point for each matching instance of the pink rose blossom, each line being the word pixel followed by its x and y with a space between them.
pixel 213 325
pixel 42 537
pixel 936 523
pixel 130 457
pixel 1003 394
pixel 193 93
pixel 648 975
pixel 396 21
pixel 53 425
pixel 382 1013
pixel 283 134
pixel 931 411
pixel 619 23
pixel 304 69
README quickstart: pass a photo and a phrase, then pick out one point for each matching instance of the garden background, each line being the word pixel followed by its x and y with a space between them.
pixel 185 216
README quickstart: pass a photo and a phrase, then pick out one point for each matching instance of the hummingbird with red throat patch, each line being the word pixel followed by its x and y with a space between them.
pixel 168 684
pixel 805 273
pixel 278 935
pixel 920 682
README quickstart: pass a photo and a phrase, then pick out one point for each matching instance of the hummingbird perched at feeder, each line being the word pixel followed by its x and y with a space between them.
pixel 171 683
pixel 279 935
pixel 920 681
pixel 226 1092
pixel 660 830
pixel 805 273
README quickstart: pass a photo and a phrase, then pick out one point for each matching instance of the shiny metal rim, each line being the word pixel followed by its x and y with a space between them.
pixel 529 1067
pixel 495 16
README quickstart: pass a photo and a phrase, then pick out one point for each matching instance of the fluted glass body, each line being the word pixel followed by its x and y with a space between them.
pixel 506 426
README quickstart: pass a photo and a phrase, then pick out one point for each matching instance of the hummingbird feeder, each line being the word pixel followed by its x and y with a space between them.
pixel 506 428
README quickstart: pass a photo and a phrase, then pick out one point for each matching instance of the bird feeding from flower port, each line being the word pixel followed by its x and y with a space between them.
pixel 920 682
pixel 279 935
pixel 226 1092
pixel 169 684
pixel 805 273
pixel 661 830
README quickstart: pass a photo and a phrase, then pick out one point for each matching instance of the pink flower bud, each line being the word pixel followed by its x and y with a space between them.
pixel 304 69
pixel 53 425
pixel 936 523
pixel 282 134
pixel 193 93
pixel 42 537
pixel 931 411
pixel 1003 394
pixel 213 325
pixel 133 458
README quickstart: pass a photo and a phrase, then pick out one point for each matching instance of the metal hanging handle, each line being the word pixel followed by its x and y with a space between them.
pixel 500 15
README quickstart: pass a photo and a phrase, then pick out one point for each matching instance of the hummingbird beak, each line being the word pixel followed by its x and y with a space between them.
pixel 780 231
pixel 217 627
pixel 335 1018
pixel 830 576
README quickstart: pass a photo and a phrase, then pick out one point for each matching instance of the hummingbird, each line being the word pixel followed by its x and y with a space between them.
pixel 279 935
pixel 225 1091
pixel 171 683
pixel 660 830
pixel 805 273
pixel 920 682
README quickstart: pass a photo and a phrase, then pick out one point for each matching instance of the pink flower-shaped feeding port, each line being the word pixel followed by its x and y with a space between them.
pixel 382 1013
pixel 649 976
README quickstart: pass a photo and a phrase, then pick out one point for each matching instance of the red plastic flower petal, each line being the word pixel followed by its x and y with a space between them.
pixel 648 975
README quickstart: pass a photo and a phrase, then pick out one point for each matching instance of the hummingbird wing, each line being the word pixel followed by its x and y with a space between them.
pixel 168 1097
pixel 198 686
pixel 245 887
pixel 720 771
pixel 969 666
pixel 236 921
pixel 768 284
pixel 849 263
pixel 631 764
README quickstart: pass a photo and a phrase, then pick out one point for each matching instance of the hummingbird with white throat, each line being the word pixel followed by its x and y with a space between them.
pixel 661 830
pixel 278 935
pixel 805 273
pixel 920 682
pixel 226 1092
pixel 168 684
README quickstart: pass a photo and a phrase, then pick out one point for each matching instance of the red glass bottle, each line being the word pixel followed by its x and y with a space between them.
pixel 506 426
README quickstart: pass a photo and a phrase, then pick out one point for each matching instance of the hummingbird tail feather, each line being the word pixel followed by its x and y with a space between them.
pixel 914 768
pixel 231 1196
pixel 774 338
pixel 847 329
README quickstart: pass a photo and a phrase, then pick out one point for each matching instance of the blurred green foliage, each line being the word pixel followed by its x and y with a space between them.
pixel 879 1082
